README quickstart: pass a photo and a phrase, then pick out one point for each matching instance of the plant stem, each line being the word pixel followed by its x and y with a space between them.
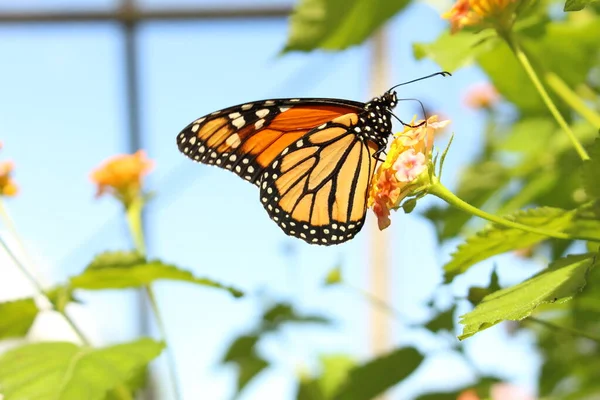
pixel 572 99
pixel 134 220
pixel 439 190
pixel 41 292
pixel 522 57
pixel 572 331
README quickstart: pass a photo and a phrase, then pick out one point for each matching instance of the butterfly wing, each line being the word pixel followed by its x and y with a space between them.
pixel 317 188
pixel 247 138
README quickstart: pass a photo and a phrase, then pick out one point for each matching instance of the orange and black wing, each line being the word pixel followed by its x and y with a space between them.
pixel 247 138
pixel 317 188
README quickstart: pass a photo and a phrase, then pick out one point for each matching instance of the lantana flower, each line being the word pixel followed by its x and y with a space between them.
pixel 480 14
pixel 122 176
pixel 481 96
pixel 406 168
pixel 8 187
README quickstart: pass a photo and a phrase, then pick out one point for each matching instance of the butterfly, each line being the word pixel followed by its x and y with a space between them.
pixel 313 159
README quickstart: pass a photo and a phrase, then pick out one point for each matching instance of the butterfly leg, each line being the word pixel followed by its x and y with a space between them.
pixel 378 153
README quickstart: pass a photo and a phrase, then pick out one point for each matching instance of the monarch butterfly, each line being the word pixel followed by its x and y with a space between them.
pixel 312 159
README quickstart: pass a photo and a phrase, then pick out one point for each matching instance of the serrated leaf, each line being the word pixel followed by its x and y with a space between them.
pixel 452 51
pixel 334 276
pixel 442 321
pixel 376 376
pixel 115 276
pixel 116 259
pixel 577 5
pixel 496 239
pixel 591 172
pixel 337 24
pixel 60 370
pixel 16 317
pixel 562 280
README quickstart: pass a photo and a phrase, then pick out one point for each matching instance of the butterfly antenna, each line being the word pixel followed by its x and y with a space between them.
pixel 422 108
pixel 442 73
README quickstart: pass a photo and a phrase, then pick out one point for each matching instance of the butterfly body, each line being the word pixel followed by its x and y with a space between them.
pixel 312 159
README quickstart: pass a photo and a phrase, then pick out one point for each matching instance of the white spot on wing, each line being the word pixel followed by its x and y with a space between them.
pixel 235 115
pixel 262 113
pixel 195 128
pixel 259 124
pixel 233 141
pixel 238 122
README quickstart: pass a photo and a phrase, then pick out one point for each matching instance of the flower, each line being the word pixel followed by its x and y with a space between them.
pixel 481 14
pixel 482 95
pixel 7 185
pixel 406 165
pixel 122 176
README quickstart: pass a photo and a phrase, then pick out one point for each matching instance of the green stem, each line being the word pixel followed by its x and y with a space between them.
pixel 134 220
pixel 439 190
pixel 572 99
pixel 571 331
pixel 522 57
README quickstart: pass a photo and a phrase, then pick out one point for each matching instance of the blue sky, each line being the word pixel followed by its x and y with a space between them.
pixel 63 112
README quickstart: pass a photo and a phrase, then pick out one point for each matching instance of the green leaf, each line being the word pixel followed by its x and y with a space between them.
pixel 444 321
pixel 113 275
pixel 334 371
pixel 134 384
pixel 452 51
pixel 591 172
pixel 376 376
pixel 116 259
pixel 477 294
pixel 282 313
pixel 242 353
pixel 60 370
pixel 337 24
pixel 409 205
pixel 334 276
pixel 577 5
pixel 496 239
pixel 16 317
pixel 558 283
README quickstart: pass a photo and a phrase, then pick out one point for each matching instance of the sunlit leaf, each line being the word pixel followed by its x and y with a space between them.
pixel 376 376
pixel 591 172
pixel 60 370
pixel 16 317
pixel 496 239
pixel 562 280
pixel 452 51
pixel 130 274
pixel 337 24
pixel 334 372
pixel 116 259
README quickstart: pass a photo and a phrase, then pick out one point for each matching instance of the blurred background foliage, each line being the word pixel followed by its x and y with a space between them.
pixel 525 162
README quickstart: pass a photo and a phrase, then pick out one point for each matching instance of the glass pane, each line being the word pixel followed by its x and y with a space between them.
pixel 62 114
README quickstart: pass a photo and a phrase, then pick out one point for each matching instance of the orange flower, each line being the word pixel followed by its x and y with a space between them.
pixel 482 95
pixel 122 176
pixel 7 185
pixel 480 13
pixel 406 165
